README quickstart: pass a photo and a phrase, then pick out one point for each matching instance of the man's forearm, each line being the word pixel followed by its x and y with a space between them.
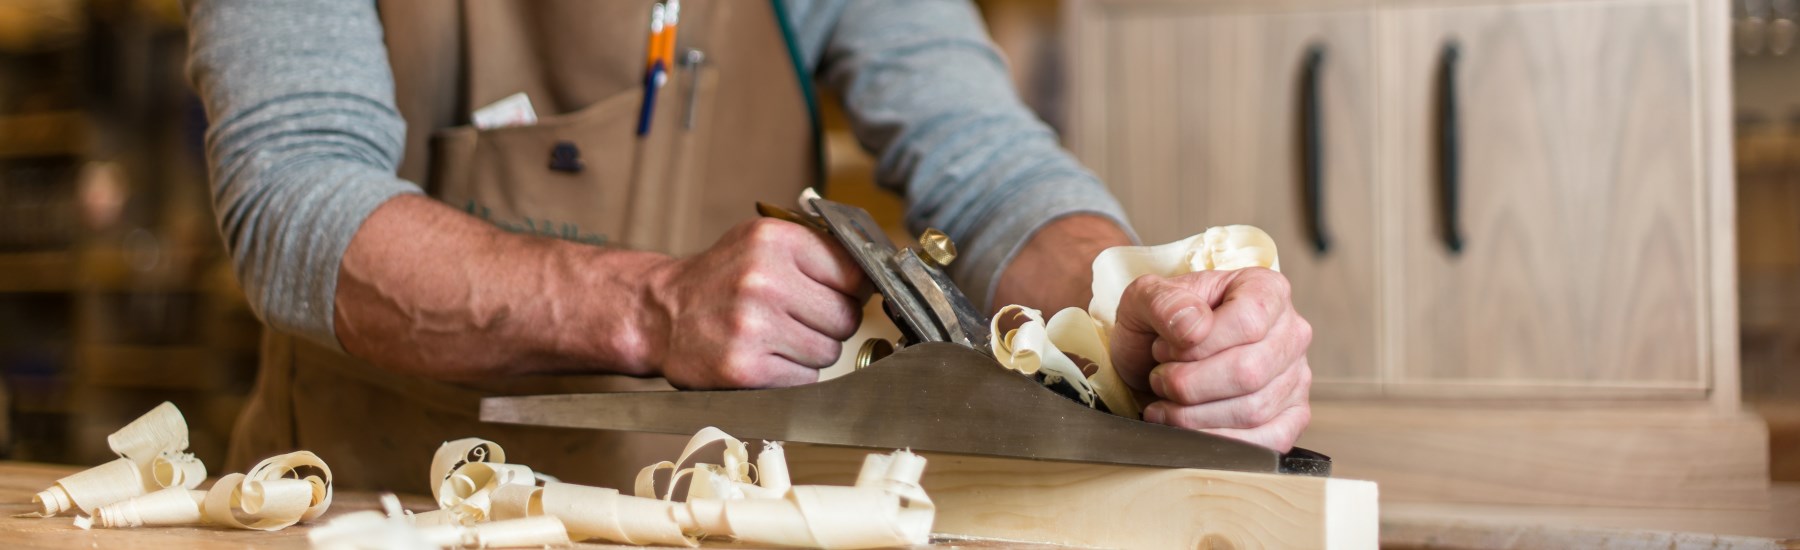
pixel 1054 270
pixel 427 290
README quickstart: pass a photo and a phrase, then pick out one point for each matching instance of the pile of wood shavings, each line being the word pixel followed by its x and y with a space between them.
pixel 153 481
pixel 486 502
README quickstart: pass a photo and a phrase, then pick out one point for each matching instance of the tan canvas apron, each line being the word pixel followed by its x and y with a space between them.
pixel 581 62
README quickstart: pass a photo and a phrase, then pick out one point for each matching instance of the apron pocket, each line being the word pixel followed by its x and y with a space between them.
pixel 510 177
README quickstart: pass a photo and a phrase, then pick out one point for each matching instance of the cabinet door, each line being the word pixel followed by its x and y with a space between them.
pixel 1579 199
pixel 1195 120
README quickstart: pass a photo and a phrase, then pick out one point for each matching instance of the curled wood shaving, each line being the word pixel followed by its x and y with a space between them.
pixel 513 501
pixel 161 430
pixel 727 479
pixel 394 528
pixel 1075 338
pixel 1029 348
pixel 466 474
pixel 171 506
pixel 469 491
pixel 151 458
pixel 771 468
pixel 276 493
pixel 1219 248
pixel 152 484
pixel 454 454
pixel 604 514
pixel 1077 335
pixel 177 469
pixel 885 508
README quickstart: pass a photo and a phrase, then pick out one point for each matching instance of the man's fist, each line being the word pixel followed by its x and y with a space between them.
pixel 1222 352
pixel 767 305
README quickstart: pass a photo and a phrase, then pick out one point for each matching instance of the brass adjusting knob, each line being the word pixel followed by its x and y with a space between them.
pixel 937 247
pixel 873 350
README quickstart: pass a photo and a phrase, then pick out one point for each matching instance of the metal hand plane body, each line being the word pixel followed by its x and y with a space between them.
pixel 942 391
pixel 917 293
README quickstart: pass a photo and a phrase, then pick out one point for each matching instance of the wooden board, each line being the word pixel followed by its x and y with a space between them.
pixel 1123 506
pixel 1629 456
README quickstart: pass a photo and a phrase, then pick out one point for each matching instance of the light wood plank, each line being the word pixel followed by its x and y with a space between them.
pixel 1124 507
pixel 1583 261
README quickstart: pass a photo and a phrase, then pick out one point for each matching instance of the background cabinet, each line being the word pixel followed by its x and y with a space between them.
pixel 1589 305
pixel 1579 198
pixel 1199 123
pixel 1578 180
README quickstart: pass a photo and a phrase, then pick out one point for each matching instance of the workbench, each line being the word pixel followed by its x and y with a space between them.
pixel 19 481
pixel 1422 526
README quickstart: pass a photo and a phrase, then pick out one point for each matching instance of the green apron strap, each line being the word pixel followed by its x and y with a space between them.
pixel 806 88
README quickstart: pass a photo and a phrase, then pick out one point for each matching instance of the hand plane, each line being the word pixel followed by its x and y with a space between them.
pixel 940 391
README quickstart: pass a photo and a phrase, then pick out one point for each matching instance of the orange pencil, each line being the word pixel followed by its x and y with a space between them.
pixel 671 16
pixel 658 15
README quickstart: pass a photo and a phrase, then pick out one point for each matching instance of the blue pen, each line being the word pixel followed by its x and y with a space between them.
pixel 651 85
pixel 654 71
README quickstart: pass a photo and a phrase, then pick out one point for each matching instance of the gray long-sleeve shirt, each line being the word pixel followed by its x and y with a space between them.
pixel 305 139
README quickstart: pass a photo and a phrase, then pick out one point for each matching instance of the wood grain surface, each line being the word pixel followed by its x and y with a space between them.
pixel 1580 197
pixel 1123 506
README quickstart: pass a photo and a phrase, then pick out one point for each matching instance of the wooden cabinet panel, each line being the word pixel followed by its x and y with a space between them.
pixel 1581 198
pixel 1194 119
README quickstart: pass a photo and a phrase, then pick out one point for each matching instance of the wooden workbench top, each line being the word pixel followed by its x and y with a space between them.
pixel 1403 525
pixel 19 481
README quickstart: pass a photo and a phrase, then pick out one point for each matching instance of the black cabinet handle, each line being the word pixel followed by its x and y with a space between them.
pixel 1312 148
pixel 1449 150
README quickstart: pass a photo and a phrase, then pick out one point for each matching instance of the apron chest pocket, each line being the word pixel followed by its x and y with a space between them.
pixel 570 176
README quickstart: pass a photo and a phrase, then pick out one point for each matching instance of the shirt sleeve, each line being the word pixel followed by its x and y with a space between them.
pixel 304 143
pixel 928 94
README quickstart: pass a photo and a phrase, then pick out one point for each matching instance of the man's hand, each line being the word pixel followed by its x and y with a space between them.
pixel 1222 352
pixel 768 305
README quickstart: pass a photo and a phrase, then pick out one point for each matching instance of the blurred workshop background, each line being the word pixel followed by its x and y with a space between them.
pixel 116 294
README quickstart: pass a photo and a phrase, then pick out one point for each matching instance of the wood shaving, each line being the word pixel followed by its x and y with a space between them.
pixel 1029 344
pixel 1219 248
pixel 276 493
pixel 152 483
pixel 171 506
pixel 152 457
pixel 487 503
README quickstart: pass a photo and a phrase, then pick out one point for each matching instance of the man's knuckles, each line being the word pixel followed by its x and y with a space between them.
pixel 1250 371
pixel 849 317
pixel 1303 332
pixel 770 233
pixel 1242 322
pixel 756 284
pixel 1256 409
